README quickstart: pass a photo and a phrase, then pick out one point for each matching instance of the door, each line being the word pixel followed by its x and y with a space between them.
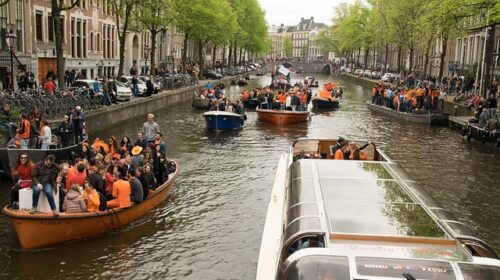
pixel 44 65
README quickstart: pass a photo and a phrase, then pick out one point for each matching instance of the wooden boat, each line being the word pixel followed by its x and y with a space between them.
pixel 8 157
pixel 41 230
pixel 422 117
pixel 353 219
pixel 222 120
pixel 282 117
pixel 201 103
pixel 251 104
pixel 321 103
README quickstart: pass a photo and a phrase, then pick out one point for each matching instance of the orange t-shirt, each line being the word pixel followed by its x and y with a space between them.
pixel 92 200
pixel 27 127
pixel 339 154
pixel 122 191
pixel 74 177
pixel 303 98
pixel 282 98
pixel 420 92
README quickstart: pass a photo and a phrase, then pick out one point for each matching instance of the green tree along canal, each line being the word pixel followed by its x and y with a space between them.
pixel 211 226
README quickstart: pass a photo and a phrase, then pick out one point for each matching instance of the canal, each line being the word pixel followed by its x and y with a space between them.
pixel 211 226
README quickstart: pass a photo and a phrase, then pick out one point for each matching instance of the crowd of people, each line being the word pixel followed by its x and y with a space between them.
pixel 342 150
pixel 105 174
pixel 34 132
pixel 408 99
pixel 296 99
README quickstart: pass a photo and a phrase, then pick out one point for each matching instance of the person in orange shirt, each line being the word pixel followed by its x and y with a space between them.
pixel 121 192
pixel 339 154
pixel 91 198
pixel 24 131
pixel 76 174
pixel 49 86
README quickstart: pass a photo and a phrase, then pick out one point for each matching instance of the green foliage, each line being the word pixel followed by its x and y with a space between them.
pixel 287 45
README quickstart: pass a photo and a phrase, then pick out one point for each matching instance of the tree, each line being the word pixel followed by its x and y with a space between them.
pixel 304 51
pixel 155 16
pixel 287 45
pixel 122 10
pixel 57 7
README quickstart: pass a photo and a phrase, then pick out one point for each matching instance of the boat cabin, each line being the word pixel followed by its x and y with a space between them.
pixel 369 219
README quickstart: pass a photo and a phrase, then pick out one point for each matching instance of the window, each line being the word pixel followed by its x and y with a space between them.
pixel 19 24
pixel 73 38
pixel 78 38
pixel 91 42
pixel 98 42
pixel 3 25
pixel 38 24
pixel 50 28
pixel 84 38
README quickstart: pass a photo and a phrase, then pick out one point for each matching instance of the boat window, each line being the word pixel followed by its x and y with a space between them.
pixel 307 209
pixel 301 169
pixel 301 190
pixel 459 229
pixel 474 271
pixel 478 248
pixel 310 241
pixel 305 224
pixel 352 169
pixel 318 267
pixel 427 200
pixel 419 269
pixel 379 191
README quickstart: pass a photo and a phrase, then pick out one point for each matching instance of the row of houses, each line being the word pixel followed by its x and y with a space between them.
pixel 302 37
pixel 90 40
pixel 464 55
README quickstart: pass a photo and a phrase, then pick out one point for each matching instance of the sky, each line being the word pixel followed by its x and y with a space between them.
pixel 289 12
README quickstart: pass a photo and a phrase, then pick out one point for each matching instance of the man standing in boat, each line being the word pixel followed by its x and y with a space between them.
pixel 150 129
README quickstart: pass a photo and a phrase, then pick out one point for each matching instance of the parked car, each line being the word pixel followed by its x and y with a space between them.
pixel 156 84
pixel 123 92
pixel 387 77
pixel 88 85
pixel 367 73
pixel 211 74
pixel 140 84
pixel 375 75
pixel 358 72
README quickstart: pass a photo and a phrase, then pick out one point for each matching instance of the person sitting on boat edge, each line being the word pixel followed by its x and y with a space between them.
pixel 121 192
pixel 137 191
pixel 21 174
pixel 73 202
pixel 44 179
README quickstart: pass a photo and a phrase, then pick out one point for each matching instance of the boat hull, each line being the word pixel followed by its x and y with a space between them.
pixel 201 103
pixel 8 156
pixel 322 103
pixel 421 118
pixel 219 120
pixel 251 104
pixel 282 117
pixel 42 230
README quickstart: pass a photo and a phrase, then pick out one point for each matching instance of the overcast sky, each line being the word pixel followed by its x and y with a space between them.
pixel 289 12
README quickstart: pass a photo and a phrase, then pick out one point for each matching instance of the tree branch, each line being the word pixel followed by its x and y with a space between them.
pixel 71 6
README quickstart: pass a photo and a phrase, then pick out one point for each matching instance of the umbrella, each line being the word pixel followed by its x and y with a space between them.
pixel 287 65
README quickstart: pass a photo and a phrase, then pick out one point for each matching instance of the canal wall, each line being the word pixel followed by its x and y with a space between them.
pixel 454 109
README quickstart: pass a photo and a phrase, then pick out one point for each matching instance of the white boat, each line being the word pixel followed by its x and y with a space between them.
pixel 349 219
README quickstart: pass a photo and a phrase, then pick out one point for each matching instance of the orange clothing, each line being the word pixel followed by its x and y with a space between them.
pixel 362 156
pixel 325 94
pixel 75 177
pixel 121 193
pixel 92 200
pixel 49 87
pixel 374 91
pixel 420 92
pixel 339 155
pixel 435 93
pixel 303 98
pixel 281 98
pixel 24 129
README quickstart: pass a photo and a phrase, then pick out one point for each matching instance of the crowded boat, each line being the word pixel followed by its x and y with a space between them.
pixel 328 97
pixel 408 99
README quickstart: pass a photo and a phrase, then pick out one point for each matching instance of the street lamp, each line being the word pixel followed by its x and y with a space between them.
pixel 146 56
pixel 10 38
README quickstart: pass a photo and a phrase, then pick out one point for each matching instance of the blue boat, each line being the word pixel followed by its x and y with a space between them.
pixel 222 120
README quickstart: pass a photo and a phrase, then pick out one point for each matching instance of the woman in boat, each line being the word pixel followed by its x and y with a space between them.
pixel 159 162
pixel 150 177
pixel 85 152
pixel 113 146
pixel 139 172
pixel 21 174
pixel 125 145
pixel 109 180
pixel 91 197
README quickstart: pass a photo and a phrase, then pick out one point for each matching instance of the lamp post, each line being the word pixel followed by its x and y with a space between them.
pixel 146 56
pixel 10 38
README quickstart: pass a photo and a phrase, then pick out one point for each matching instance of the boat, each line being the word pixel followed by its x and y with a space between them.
pixel 321 102
pixel 201 103
pixel 41 230
pixel 251 104
pixel 472 130
pixel 350 219
pixel 282 117
pixel 222 120
pixel 242 82
pixel 8 156
pixel 421 117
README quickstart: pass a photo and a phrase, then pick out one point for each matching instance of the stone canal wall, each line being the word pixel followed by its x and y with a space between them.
pixel 451 108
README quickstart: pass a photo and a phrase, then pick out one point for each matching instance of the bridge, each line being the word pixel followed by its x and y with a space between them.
pixel 313 67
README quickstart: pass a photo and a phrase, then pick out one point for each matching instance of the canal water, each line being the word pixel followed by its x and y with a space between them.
pixel 211 226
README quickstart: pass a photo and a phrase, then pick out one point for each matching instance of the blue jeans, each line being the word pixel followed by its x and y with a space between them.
pixel 24 143
pixel 11 128
pixel 135 90
pixel 47 190
pixel 45 146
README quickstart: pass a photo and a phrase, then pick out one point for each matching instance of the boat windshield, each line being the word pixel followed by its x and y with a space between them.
pixel 473 271
pixel 318 267
pixel 419 269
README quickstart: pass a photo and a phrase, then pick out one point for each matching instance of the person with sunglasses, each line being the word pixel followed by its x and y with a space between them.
pixel 21 175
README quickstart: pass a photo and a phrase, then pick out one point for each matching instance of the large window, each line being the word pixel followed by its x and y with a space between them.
pixel 50 28
pixel 3 25
pixel 39 26
pixel 19 24
pixel 84 38
pixel 73 38
pixel 78 38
